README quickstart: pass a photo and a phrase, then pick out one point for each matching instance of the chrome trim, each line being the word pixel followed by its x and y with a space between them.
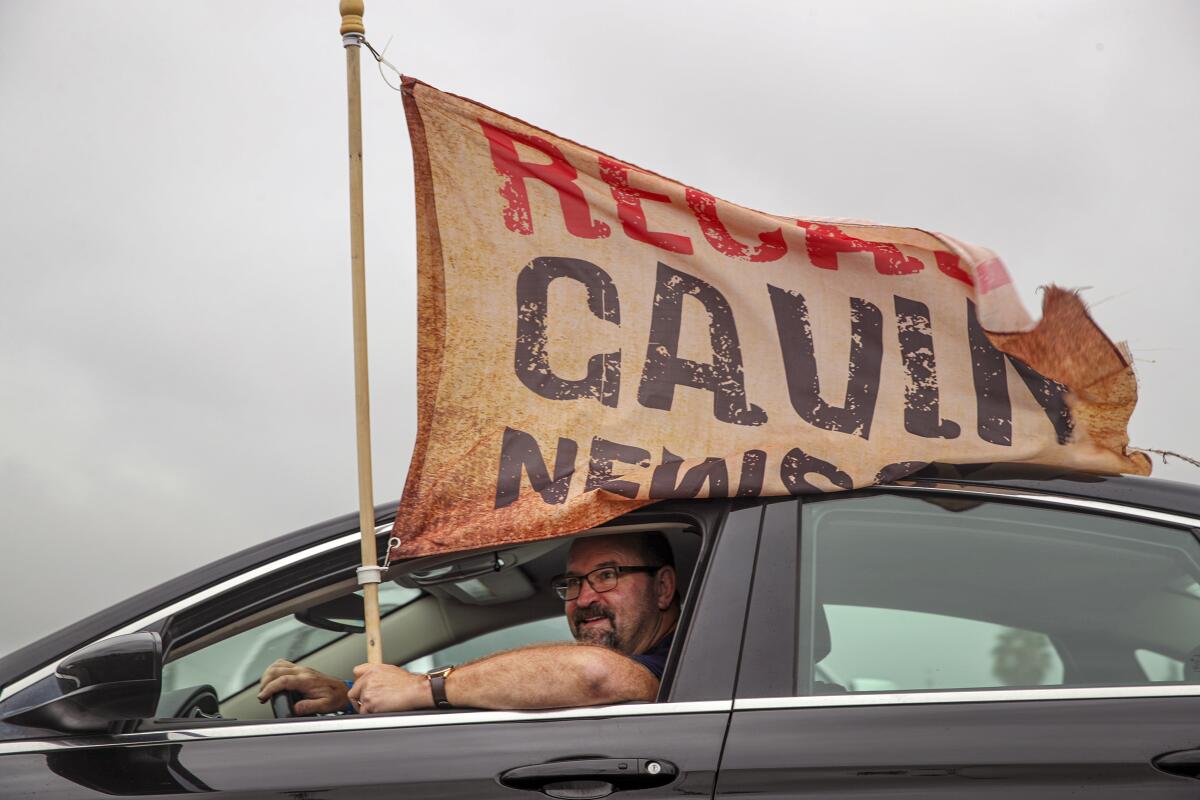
pixel 1007 493
pixel 360 723
pixel 197 597
pixel 967 696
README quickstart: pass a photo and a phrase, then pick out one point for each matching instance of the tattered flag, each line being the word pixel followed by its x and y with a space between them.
pixel 595 337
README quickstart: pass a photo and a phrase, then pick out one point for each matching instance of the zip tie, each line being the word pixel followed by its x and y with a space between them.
pixel 375 574
pixel 383 62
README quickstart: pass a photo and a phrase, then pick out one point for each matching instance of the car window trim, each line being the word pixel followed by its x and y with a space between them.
pixel 199 597
pixel 350 723
pixel 997 695
pixel 1040 498
pixel 356 722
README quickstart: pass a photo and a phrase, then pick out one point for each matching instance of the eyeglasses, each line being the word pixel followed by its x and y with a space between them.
pixel 601 579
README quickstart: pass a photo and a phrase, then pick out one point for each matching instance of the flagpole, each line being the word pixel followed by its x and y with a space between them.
pixel 369 573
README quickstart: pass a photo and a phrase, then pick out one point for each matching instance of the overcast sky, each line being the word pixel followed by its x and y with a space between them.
pixel 174 273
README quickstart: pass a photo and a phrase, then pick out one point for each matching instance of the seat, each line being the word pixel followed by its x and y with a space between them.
pixel 822 644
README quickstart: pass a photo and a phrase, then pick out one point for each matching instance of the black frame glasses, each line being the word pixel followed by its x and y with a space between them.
pixel 568 587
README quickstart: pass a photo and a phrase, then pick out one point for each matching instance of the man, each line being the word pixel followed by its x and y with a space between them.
pixel 621 605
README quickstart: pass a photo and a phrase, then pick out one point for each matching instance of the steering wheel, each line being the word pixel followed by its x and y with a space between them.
pixel 190 702
pixel 283 704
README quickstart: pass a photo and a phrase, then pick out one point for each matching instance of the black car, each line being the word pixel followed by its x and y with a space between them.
pixel 996 632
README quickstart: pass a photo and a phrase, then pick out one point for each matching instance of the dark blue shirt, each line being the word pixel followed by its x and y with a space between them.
pixel 655 659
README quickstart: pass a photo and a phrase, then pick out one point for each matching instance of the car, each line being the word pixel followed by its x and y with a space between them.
pixel 990 631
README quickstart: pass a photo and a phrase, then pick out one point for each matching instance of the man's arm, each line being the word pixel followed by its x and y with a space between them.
pixel 542 676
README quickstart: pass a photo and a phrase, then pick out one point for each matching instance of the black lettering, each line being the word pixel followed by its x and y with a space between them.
pixel 991 389
pixel 901 469
pixel 800 364
pixel 798 465
pixel 520 452
pixel 993 409
pixel 754 470
pixel 1051 396
pixel 664 370
pixel 531 360
pixel 663 483
pixel 921 398
pixel 600 466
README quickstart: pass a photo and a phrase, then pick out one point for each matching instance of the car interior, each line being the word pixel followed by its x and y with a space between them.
pixel 1089 598
pixel 436 605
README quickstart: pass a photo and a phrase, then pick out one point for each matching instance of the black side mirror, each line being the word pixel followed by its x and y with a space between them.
pixel 112 680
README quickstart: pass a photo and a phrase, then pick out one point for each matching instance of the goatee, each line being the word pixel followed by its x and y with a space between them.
pixel 605 637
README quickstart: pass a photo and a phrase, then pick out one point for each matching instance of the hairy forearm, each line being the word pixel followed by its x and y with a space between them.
pixel 550 676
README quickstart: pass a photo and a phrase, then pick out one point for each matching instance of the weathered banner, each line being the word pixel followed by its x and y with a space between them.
pixel 595 337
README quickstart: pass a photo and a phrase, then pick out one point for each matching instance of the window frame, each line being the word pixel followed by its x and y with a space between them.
pixel 240 593
pixel 193 626
pixel 768 675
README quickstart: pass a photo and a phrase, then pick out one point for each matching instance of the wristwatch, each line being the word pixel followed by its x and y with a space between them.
pixel 437 685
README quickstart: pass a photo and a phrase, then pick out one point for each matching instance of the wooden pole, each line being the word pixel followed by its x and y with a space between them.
pixel 368 576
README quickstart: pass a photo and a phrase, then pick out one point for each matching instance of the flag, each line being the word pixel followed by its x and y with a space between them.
pixel 594 337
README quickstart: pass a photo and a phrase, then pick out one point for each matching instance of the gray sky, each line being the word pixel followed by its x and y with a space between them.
pixel 174 281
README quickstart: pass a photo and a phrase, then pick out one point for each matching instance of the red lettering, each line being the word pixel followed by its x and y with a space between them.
pixel 558 174
pixel 824 242
pixel 630 212
pixel 704 206
pixel 948 263
pixel 992 275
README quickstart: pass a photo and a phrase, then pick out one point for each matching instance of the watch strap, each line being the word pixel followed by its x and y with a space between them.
pixel 437 685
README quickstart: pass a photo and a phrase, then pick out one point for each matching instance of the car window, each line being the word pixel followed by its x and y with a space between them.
pixel 441 620
pixel 238 661
pixel 901 594
pixel 554 629
pixel 932 651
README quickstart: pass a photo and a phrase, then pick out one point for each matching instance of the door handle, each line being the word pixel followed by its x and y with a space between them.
pixel 590 778
pixel 1180 762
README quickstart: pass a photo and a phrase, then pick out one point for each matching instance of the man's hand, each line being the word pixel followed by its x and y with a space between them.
pixel 382 687
pixel 322 694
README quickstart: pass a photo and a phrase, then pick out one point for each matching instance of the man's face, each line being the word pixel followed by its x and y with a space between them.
pixel 626 617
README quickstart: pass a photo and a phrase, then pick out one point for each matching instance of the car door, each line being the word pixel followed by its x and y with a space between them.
pixel 967 642
pixel 658 749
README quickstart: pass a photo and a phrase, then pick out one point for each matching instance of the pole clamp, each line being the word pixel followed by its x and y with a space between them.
pixel 352 39
pixel 369 575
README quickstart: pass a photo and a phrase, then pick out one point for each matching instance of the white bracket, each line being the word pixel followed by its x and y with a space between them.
pixel 369 575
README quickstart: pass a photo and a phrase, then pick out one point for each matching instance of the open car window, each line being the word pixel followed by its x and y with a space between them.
pixel 541 631
pixel 436 612
pixel 236 663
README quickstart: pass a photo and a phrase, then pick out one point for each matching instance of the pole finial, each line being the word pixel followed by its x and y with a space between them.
pixel 352 16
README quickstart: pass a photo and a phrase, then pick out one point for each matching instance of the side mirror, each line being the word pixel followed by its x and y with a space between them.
pixel 112 680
